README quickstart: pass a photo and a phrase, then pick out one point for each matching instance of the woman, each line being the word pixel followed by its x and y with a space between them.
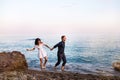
pixel 41 52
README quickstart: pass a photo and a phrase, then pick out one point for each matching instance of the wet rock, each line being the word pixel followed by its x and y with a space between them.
pixel 12 61
pixel 13 75
pixel 45 75
pixel 116 66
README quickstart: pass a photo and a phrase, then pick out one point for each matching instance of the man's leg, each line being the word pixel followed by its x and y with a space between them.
pixel 59 60
pixel 64 62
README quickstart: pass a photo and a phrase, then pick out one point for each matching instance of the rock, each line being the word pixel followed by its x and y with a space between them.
pixel 12 61
pixel 45 75
pixel 13 75
pixel 116 66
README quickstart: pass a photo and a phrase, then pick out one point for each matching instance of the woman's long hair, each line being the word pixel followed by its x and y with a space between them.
pixel 36 41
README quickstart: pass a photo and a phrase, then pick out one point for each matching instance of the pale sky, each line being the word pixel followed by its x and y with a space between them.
pixel 59 16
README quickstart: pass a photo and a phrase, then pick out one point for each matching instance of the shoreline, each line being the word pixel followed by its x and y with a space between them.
pixel 32 74
pixel 67 75
pixel 99 72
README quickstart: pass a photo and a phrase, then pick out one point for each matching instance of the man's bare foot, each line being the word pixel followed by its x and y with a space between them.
pixel 62 68
pixel 55 68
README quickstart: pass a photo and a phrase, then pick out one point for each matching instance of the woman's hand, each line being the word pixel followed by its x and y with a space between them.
pixel 27 49
pixel 51 49
pixel 30 49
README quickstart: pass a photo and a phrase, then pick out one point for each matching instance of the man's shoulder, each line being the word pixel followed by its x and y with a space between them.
pixel 60 42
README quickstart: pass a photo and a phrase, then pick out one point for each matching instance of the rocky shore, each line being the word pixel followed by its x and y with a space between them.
pixel 13 66
pixel 45 75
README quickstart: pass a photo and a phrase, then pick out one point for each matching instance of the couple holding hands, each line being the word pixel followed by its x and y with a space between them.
pixel 42 53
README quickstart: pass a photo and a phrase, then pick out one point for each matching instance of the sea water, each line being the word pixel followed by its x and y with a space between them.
pixel 88 54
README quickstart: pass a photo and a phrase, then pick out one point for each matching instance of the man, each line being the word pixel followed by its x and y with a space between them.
pixel 60 53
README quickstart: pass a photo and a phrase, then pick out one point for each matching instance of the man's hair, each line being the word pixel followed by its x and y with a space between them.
pixel 62 36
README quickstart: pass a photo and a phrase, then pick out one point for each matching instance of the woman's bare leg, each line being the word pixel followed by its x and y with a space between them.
pixel 41 63
pixel 46 59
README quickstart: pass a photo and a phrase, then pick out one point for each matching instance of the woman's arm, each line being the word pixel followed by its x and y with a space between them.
pixel 47 46
pixel 30 49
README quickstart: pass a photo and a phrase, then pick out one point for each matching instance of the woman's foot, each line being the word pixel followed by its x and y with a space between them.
pixel 41 66
pixel 44 67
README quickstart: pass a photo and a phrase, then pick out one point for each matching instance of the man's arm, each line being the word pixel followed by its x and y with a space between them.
pixel 56 45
